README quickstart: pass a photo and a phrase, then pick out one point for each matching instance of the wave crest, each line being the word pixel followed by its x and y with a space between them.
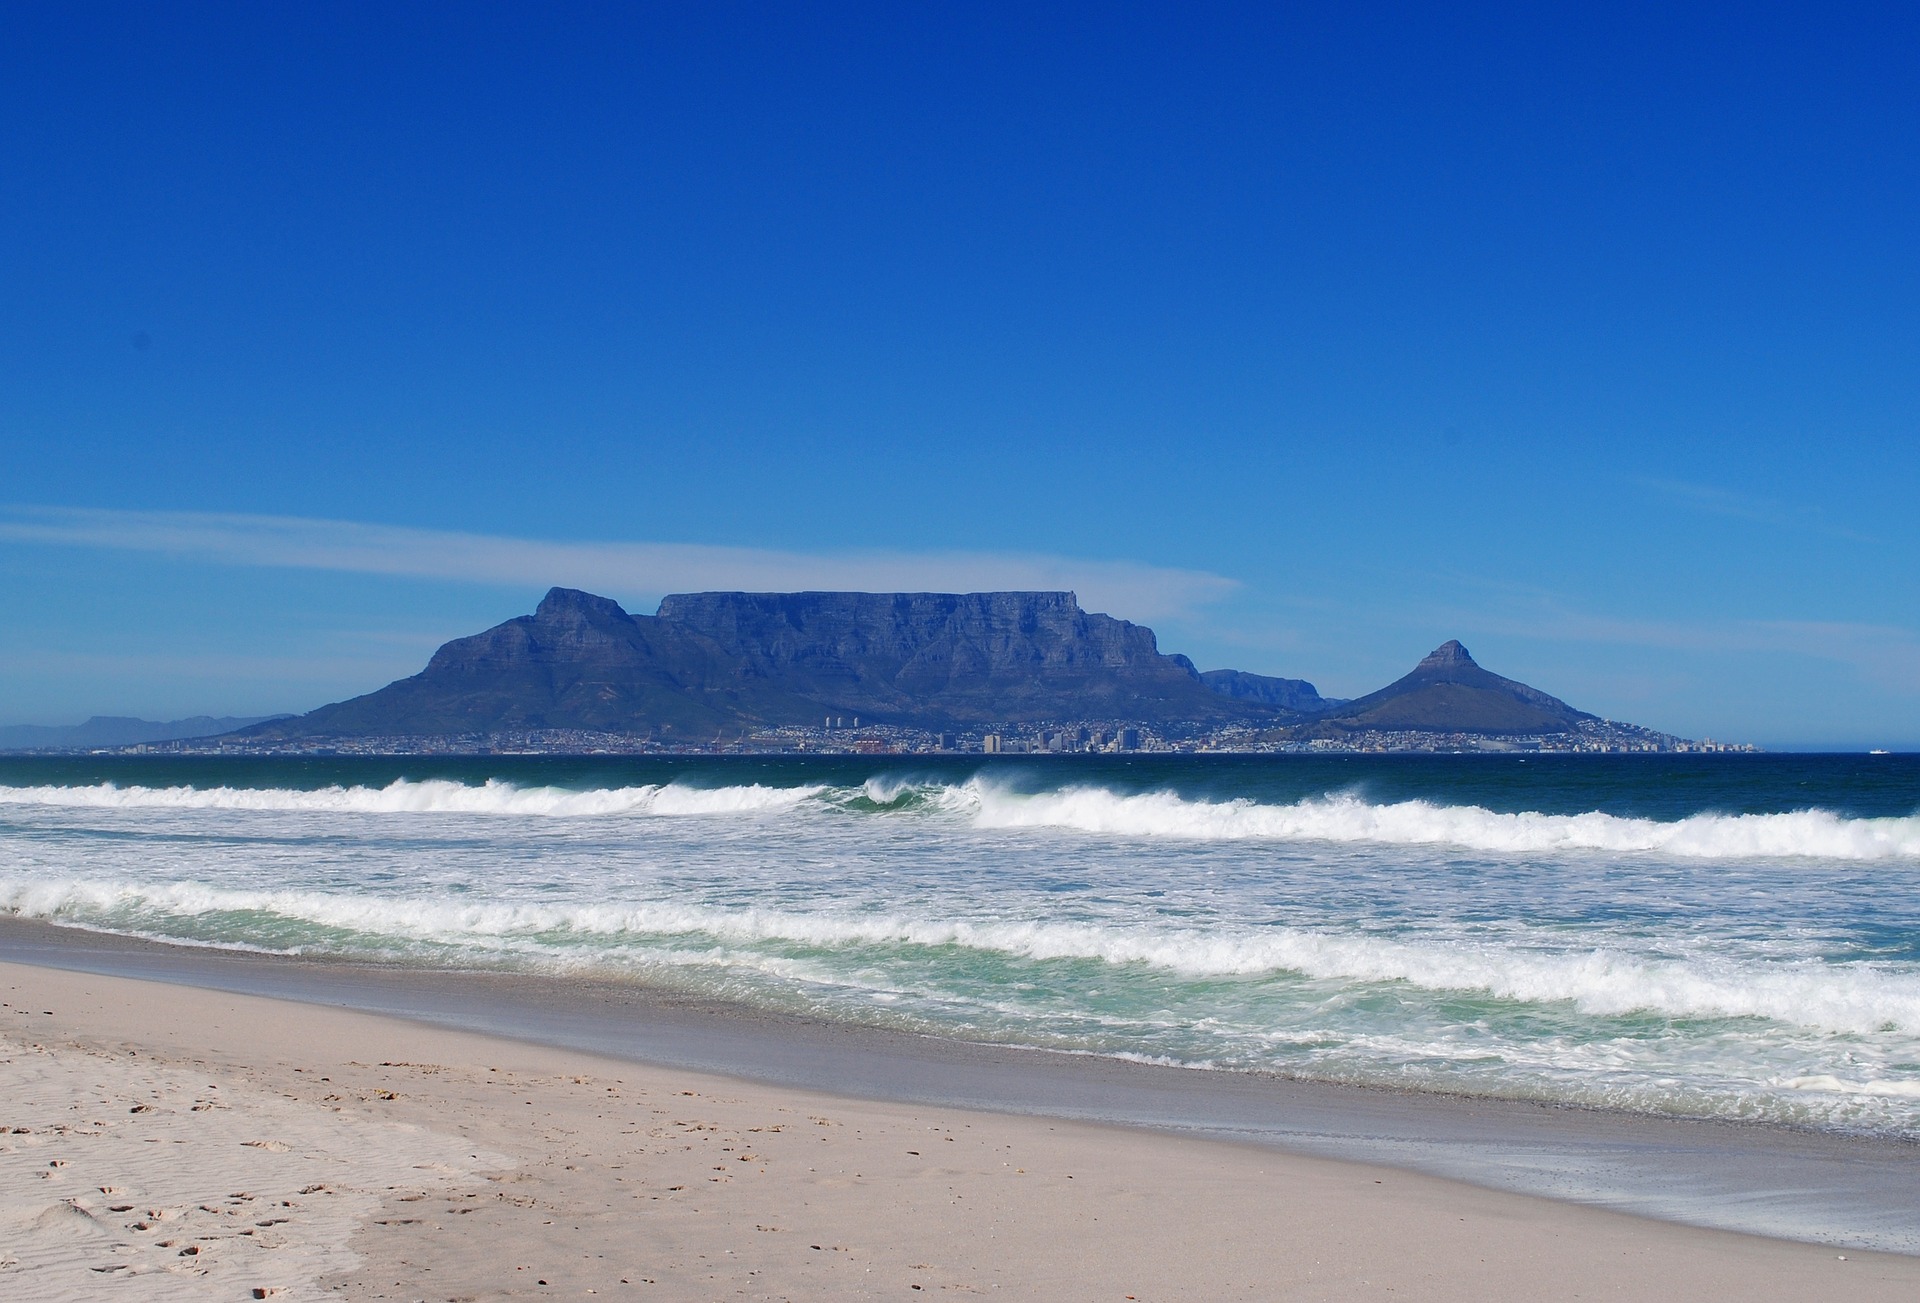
pixel 1344 818
pixel 1601 982
pixel 1340 818
pixel 426 796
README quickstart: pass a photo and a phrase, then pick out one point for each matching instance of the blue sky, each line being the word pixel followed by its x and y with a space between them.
pixel 1312 336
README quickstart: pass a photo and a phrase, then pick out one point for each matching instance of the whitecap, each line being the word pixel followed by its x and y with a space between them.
pixel 426 796
pixel 1347 818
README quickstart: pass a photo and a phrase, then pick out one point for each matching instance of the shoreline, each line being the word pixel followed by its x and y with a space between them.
pixel 456 1165
pixel 1818 1187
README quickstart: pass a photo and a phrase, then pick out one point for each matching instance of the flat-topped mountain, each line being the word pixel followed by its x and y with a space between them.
pixel 970 657
pixel 1449 693
pixel 725 661
pixel 719 664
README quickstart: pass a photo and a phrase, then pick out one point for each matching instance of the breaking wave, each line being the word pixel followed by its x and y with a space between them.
pixel 1522 967
pixel 1427 927
pixel 1338 818
pixel 1344 818
pixel 427 796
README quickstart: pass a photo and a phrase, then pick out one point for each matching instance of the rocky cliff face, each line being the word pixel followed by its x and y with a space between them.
pixel 712 662
pixel 720 663
pixel 1284 694
pixel 958 657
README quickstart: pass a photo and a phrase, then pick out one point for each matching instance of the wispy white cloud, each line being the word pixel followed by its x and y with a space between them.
pixel 1885 655
pixel 629 570
pixel 1711 500
pixel 199 667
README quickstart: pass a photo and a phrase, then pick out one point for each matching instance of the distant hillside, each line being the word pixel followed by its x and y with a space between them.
pixel 1285 694
pixel 710 662
pixel 1449 693
pixel 120 731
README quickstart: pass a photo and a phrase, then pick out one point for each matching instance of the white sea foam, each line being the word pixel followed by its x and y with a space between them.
pixel 1828 1084
pixel 1340 818
pixel 1578 957
pixel 1522 967
pixel 1344 818
pixel 428 796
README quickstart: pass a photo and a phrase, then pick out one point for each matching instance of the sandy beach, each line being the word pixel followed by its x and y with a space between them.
pixel 814 652
pixel 164 1141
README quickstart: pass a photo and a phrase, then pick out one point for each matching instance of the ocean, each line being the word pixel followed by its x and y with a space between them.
pixel 1731 937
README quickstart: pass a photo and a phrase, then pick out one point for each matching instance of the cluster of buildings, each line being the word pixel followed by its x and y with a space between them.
pixel 1589 737
pixel 1076 739
pixel 1380 743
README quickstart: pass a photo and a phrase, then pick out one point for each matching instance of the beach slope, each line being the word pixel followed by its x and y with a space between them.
pixel 166 1141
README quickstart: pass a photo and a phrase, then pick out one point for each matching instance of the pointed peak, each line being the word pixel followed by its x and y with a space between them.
pixel 1447 653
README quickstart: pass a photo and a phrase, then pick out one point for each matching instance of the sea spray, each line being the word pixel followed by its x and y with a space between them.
pixel 1523 966
pixel 1808 833
pixel 1345 818
pixel 433 796
pixel 1741 941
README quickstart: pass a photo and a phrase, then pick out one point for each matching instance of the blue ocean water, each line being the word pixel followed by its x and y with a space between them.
pixel 1716 936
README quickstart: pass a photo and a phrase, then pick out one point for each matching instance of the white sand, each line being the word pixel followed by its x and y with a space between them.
pixel 428 1164
pixel 125 1177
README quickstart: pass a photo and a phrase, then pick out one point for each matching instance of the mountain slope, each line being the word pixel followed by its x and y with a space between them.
pixel 1283 694
pixel 578 661
pixel 712 662
pixel 1448 692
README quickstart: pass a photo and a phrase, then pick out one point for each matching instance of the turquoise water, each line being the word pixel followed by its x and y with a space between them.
pixel 1715 936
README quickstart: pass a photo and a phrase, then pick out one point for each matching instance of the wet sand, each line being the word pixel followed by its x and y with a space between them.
pixel 1850 1192
pixel 304 1150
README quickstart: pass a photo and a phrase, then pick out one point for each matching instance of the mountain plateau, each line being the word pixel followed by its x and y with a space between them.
pixel 710 665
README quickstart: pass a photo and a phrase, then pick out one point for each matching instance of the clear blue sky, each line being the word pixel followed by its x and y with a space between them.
pixel 1312 336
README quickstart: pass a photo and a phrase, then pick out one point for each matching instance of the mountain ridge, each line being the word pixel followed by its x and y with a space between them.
pixel 716 661
pixel 708 665
pixel 1288 694
pixel 1446 688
